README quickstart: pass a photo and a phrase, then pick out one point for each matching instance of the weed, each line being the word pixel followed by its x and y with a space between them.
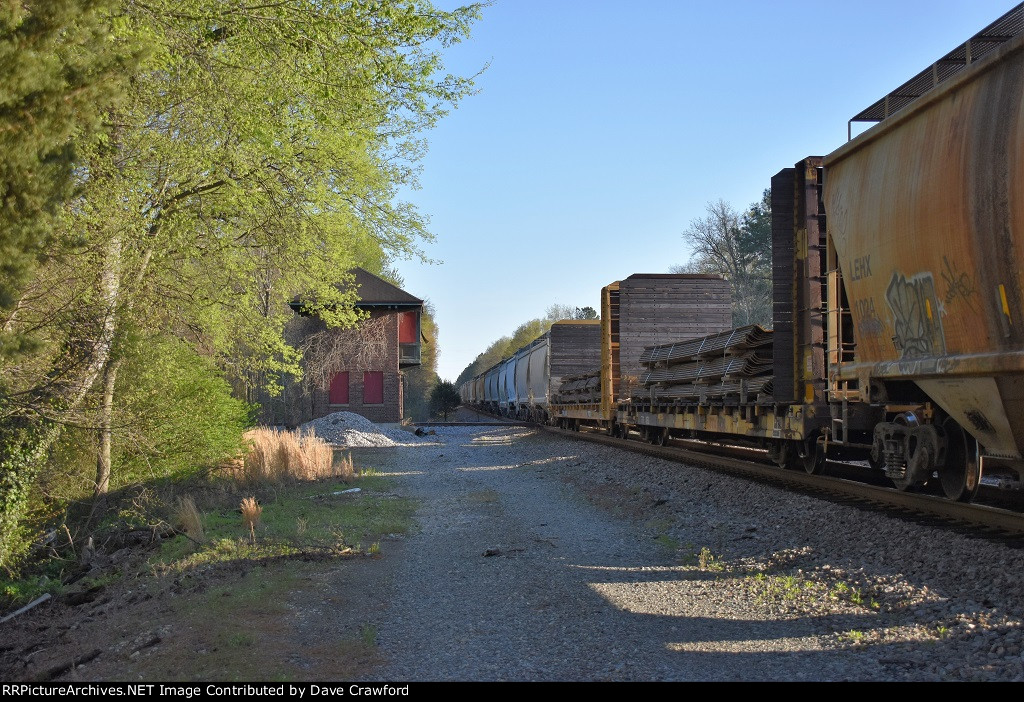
pixel 188 518
pixel 941 631
pixel 251 511
pixel 345 469
pixel 854 636
pixel 838 590
pixel 300 526
pixel 856 597
pixel 706 560
pixel 374 548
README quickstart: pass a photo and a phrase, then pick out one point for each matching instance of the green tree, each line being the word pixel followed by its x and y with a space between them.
pixel 444 398
pixel 257 151
pixel 63 68
pixel 264 148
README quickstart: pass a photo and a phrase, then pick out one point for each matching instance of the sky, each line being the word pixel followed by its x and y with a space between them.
pixel 602 129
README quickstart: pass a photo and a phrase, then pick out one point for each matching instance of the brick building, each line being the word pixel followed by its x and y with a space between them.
pixel 354 370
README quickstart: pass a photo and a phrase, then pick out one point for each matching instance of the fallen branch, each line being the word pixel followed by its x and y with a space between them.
pixel 54 671
pixel 37 601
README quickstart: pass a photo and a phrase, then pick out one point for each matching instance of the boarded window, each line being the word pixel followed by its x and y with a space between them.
pixel 407 327
pixel 373 388
pixel 338 394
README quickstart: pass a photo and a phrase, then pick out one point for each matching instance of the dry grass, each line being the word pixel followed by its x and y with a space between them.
pixel 278 456
pixel 345 469
pixel 188 519
pixel 251 512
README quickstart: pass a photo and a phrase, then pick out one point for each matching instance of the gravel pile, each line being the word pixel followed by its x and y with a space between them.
pixel 355 430
pixel 540 557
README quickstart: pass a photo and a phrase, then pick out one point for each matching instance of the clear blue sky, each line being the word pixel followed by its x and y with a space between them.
pixel 602 129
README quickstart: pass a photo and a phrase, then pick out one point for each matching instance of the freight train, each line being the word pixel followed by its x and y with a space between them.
pixel 898 304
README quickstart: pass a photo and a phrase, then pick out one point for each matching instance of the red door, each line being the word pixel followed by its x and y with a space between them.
pixel 338 394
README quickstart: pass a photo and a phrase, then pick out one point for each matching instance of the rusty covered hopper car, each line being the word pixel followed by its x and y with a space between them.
pixel 926 225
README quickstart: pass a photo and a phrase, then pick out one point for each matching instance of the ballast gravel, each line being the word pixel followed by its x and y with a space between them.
pixel 540 557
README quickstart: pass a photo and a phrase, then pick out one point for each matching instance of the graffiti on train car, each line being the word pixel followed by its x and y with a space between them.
pixel 917 316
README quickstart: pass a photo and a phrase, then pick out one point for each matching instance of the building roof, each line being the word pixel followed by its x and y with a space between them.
pixel 984 42
pixel 374 293
pixel 377 292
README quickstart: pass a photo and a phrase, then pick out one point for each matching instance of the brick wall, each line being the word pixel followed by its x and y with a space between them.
pixel 301 402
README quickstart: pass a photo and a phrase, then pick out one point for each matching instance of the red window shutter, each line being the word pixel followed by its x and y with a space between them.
pixel 407 332
pixel 338 394
pixel 373 388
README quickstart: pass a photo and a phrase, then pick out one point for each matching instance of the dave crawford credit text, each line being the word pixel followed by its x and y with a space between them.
pixel 211 690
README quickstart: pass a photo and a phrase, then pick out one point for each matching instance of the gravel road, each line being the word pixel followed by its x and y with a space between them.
pixel 545 558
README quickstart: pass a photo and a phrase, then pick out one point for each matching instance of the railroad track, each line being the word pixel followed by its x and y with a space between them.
pixel 983 520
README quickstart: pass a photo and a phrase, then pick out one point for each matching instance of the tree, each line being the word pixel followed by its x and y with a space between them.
pixel 738 247
pixel 63 68
pixel 444 398
pixel 257 151
pixel 420 380
pixel 557 312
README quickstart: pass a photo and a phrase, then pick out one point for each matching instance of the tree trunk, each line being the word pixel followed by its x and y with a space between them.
pixel 106 417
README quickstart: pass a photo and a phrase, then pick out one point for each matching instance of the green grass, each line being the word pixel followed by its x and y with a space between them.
pixel 15 592
pixel 296 519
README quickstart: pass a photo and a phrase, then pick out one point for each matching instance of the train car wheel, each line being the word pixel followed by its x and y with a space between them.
pixel 812 455
pixel 661 437
pixel 961 475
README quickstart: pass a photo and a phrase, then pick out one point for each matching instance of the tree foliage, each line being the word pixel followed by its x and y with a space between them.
pixel 444 398
pixel 737 246
pixel 558 312
pixel 63 67
pixel 253 152
pixel 420 380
